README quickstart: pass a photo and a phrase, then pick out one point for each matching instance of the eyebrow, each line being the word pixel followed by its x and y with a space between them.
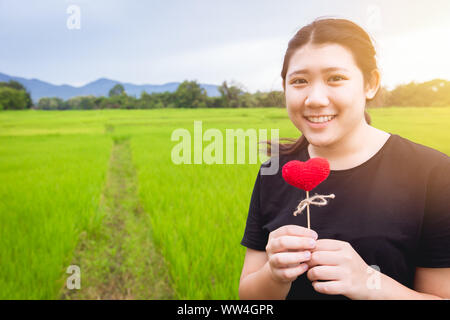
pixel 306 71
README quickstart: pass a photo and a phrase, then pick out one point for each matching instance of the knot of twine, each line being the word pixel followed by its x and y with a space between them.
pixel 304 203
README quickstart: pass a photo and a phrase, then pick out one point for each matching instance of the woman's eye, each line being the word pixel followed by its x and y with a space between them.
pixel 299 81
pixel 337 77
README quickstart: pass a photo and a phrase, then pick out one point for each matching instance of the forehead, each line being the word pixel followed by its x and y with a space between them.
pixel 316 57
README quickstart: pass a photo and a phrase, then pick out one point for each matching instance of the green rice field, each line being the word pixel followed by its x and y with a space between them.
pixel 54 169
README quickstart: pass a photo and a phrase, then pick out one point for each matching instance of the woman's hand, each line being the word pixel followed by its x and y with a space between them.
pixel 288 248
pixel 341 266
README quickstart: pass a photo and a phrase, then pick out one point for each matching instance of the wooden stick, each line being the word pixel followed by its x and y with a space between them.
pixel 307 208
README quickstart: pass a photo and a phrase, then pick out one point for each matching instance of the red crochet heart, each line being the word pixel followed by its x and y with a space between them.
pixel 306 175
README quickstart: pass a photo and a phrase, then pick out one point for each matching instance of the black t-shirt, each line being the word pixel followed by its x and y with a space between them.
pixel 394 210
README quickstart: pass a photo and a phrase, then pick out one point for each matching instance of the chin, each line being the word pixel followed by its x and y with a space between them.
pixel 320 142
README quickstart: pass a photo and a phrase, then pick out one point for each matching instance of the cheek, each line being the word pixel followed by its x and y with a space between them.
pixel 293 100
pixel 350 104
pixel 295 105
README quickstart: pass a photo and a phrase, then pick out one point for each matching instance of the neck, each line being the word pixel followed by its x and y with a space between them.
pixel 352 143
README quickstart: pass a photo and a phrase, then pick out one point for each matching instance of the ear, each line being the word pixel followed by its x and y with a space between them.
pixel 373 85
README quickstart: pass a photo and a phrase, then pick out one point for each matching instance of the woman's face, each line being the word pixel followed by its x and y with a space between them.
pixel 325 94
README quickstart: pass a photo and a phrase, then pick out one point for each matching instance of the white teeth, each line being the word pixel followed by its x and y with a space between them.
pixel 320 119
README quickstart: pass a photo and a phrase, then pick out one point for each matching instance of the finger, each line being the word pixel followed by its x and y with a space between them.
pixel 286 259
pixel 329 245
pixel 329 258
pixel 293 230
pixel 285 243
pixel 324 273
pixel 290 274
pixel 328 287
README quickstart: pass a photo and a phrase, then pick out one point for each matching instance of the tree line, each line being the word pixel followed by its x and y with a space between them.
pixel 189 94
pixel 14 96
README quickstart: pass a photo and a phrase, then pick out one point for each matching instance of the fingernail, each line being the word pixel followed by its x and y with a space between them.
pixel 312 243
pixel 315 235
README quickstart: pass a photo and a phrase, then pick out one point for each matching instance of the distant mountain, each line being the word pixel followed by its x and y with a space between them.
pixel 100 87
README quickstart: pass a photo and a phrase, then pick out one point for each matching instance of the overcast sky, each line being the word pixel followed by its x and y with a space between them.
pixel 156 42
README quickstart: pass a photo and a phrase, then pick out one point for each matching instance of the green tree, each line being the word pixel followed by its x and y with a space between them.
pixel 117 90
pixel 98 101
pixel 52 103
pixel 14 85
pixel 431 93
pixel 81 102
pixel 150 101
pixel 19 87
pixel 230 94
pixel 214 102
pixel 13 99
pixel 269 99
pixel 189 94
pixel 130 102
pixel 166 99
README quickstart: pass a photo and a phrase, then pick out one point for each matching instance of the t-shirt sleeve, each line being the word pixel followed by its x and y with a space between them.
pixel 254 235
pixel 434 246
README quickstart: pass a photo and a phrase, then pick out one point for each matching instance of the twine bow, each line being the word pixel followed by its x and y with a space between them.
pixel 306 202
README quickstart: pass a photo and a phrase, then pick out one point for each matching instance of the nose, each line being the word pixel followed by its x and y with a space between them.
pixel 317 96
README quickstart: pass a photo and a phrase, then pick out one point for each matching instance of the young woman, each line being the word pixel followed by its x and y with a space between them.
pixel 386 235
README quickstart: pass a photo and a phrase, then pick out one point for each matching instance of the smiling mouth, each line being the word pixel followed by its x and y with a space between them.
pixel 320 119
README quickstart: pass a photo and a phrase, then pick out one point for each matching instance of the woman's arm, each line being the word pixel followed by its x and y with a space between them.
pixel 434 281
pixel 344 272
pixel 429 284
pixel 269 274
pixel 256 280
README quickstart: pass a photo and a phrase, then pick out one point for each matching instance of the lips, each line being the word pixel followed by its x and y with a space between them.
pixel 321 122
pixel 320 119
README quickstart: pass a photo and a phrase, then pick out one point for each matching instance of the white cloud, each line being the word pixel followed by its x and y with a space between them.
pixel 420 56
pixel 255 64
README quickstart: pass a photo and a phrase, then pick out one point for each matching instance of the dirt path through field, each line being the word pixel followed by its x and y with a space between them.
pixel 118 260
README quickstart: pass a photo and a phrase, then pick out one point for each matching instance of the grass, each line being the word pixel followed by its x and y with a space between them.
pixel 49 192
pixel 54 169
pixel 118 260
